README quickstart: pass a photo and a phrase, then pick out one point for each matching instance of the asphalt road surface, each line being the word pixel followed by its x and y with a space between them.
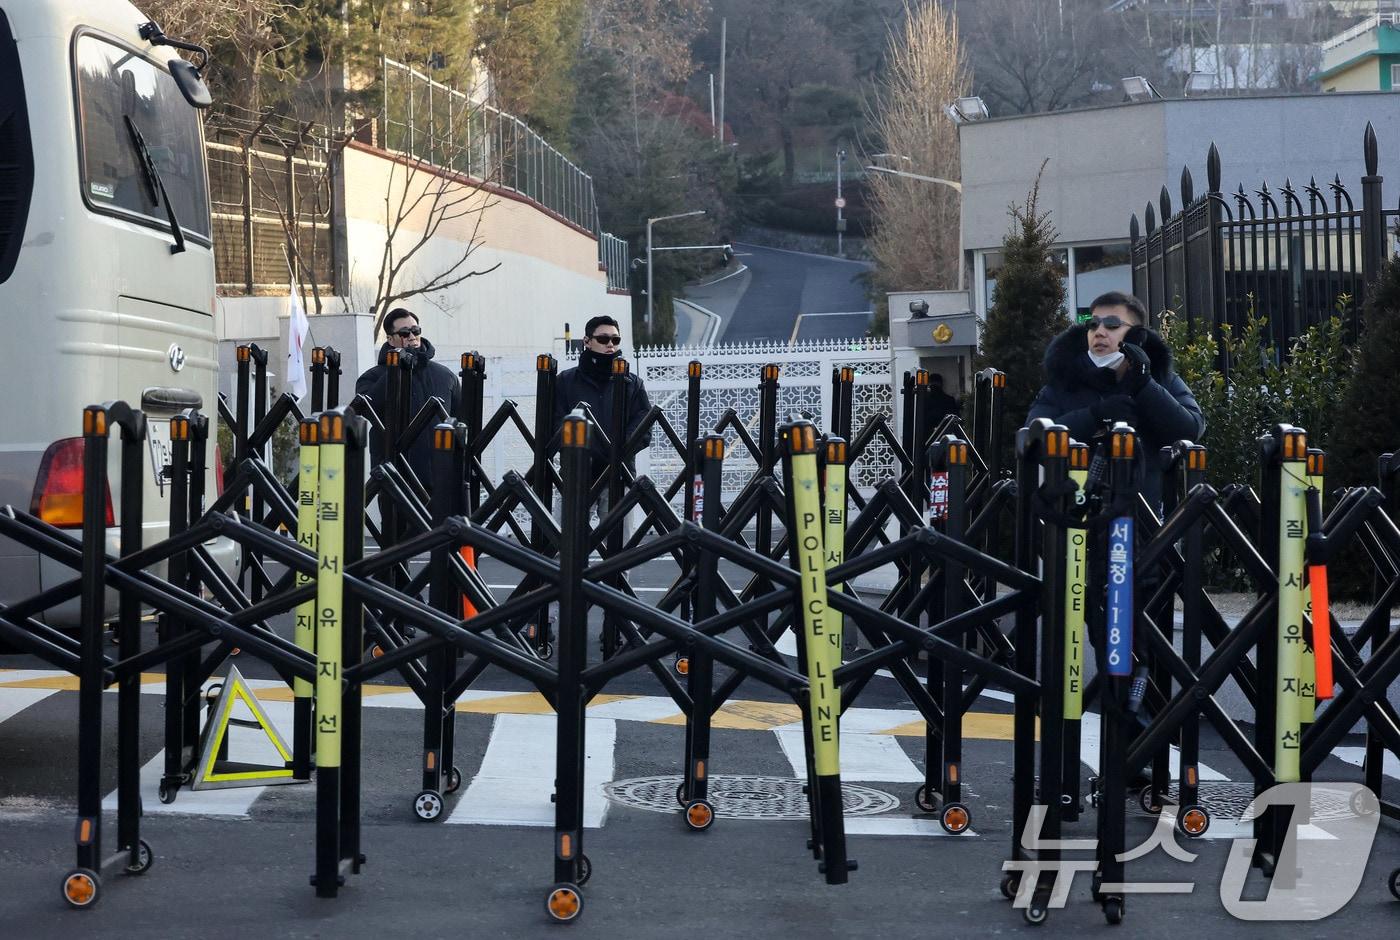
pixel 764 302
pixel 234 863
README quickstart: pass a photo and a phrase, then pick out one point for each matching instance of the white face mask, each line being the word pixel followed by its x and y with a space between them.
pixel 1107 362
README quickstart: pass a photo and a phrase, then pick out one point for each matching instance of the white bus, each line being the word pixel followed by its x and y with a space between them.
pixel 106 263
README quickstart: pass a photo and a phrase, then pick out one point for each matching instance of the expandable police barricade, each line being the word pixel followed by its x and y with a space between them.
pixel 1085 546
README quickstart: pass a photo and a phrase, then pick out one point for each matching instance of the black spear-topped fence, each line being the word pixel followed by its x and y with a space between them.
pixel 1297 253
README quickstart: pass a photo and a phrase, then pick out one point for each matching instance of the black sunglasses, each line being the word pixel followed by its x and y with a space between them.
pixel 1111 323
pixel 406 332
pixel 607 339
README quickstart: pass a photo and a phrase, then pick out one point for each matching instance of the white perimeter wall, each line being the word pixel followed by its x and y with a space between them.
pixel 546 274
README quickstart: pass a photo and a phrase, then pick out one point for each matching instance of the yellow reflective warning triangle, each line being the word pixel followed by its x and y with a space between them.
pixel 211 773
pixel 823 643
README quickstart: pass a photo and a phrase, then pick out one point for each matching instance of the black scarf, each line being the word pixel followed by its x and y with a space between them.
pixel 596 364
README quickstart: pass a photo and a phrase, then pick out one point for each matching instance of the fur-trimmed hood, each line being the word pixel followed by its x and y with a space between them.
pixel 1067 363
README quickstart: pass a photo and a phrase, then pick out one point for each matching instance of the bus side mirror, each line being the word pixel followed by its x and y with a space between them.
pixel 187 79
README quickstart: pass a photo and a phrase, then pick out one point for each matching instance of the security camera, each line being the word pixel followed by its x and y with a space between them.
pixel 918 309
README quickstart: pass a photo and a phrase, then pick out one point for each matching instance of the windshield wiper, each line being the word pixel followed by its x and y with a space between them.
pixel 154 183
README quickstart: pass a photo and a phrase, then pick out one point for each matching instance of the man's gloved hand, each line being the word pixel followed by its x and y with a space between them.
pixel 1139 368
pixel 1114 408
pixel 408 358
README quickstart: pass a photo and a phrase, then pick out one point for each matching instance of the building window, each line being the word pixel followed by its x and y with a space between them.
pixel 1099 269
pixel 1395 77
pixel 989 266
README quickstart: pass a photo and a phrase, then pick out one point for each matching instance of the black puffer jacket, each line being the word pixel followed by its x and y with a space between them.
pixel 429 378
pixel 1166 410
pixel 591 382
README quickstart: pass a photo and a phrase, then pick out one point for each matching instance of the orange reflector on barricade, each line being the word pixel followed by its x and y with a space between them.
pixel 469 556
pixel 1321 630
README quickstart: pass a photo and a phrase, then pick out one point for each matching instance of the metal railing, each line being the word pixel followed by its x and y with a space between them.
pixel 445 128
pixel 612 255
pixel 1375 21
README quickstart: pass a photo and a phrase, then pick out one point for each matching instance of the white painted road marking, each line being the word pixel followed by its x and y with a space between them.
pixel 873 757
pixel 514 784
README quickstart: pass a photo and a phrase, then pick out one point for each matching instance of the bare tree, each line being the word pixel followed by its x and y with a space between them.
pixel 1033 55
pixel 443 189
pixel 915 243
pixel 641 45
pixel 441 175
pixel 779 54
pixel 253 34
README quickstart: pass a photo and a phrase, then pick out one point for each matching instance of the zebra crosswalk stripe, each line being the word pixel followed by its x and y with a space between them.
pixel 513 787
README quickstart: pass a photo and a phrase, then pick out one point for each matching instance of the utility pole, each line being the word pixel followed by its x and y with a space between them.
pixel 840 206
pixel 723 50
pixel 714 127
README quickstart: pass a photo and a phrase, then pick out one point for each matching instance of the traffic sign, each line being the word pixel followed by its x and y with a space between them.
pixel 840 202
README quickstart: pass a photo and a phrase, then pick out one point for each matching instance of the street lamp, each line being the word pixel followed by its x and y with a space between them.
pixel 650 223
pixel 951 184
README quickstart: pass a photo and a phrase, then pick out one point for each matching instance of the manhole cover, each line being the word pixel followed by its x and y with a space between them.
pixel 1228 800
pixel 745 796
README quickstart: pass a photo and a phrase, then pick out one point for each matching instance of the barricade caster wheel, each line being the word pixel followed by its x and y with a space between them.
pixel 583 871
pixel 1395 884
pixel 428 805
pixel 453 783
pixel 682 665
pixel 1036 912
pixel 680 793
pixel 924 800
pixel 1010 884
pixel 81 888
pixel 547 651
pixel 1113 910
pixel 1364 803
pixel 1193 820
pixel 564 903
pixel 955 819
pixel 144 859
pixel 167 792
pixel 699 815
pixel 1149 801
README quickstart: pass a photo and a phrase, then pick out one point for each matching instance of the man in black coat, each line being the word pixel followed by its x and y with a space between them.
pixel 1114 368
pixel 426 379
pixel 590 382
pixel 940 403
